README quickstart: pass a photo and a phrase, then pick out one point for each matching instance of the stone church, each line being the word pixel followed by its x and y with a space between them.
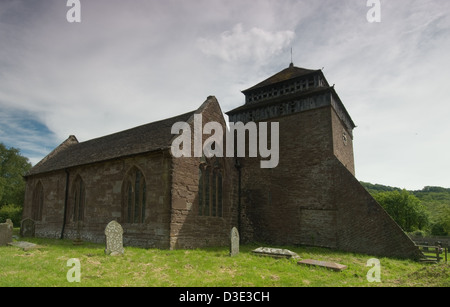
pixel 311 198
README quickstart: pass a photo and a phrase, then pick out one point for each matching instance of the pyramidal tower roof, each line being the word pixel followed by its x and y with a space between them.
pixel 286 74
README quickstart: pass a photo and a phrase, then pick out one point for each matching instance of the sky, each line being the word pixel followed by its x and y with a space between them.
pixel 128 63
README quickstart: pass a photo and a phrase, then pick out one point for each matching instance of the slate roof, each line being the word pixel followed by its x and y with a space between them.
pixel 146 138
pixel 286 74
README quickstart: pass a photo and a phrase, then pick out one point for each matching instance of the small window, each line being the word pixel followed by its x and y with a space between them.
pixel 38 202
pixel 135 196
pixel 78 200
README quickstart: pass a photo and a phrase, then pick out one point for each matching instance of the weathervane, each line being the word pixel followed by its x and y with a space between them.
pixel 292 62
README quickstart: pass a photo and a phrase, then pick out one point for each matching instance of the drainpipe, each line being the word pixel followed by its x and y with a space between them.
pixel 65 203
pixel 238 166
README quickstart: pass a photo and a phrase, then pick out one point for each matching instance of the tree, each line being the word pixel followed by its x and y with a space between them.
pixel 442 226
pixel 405 209
pixel 13 167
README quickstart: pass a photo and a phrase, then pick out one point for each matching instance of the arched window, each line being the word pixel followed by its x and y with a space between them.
pixel 210 188
pixel 38 202
pixel 78 200
pixel 134 195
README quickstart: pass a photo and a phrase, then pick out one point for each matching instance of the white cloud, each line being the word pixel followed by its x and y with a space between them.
pixel 239 45
pixel 131 63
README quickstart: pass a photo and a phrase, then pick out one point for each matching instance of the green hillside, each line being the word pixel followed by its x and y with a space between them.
pixel 436 201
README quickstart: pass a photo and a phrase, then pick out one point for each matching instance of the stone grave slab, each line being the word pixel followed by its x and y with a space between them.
pixel 234 247
pixel 275 252
pixel 26 246
pixel 114 239
pixel 329 265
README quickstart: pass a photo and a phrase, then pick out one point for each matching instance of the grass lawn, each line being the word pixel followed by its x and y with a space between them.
pixel 210 267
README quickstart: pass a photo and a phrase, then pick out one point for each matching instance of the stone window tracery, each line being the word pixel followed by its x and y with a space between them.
pixel 210 188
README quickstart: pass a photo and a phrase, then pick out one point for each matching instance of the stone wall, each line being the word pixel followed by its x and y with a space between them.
pixel 342 142
pixel 189 229
pixel 363 226
pixel 50 225
pixel 104 199
pixel 290 203
pixel 312 197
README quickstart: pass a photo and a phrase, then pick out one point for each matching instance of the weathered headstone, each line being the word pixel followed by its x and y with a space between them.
pixel 27 228
pixel 234 247
pixel 5 234
pixel 275 252
pixel 10 223
pixel 114 239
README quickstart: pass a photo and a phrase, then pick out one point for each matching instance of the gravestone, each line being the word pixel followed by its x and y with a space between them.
pixel 114 239
pixel 5 234
pixel 27 228
pixel 275 252
pixel 234 247
pixel 8 221
pixel 26 246
pixel 337 267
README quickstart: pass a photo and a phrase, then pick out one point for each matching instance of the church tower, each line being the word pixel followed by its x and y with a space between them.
pixel 298 91
pixel 312 197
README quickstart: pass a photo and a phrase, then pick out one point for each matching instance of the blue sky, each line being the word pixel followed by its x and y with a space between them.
pixel 132 62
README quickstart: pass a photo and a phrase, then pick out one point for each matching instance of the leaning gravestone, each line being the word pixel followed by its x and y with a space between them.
pixel 234 247
pixel 114 239
pixel 27 228
pixel 5 234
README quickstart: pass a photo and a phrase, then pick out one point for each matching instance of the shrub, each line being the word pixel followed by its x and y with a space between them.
pixel 405 209
pixel 419 233
pixel 12 212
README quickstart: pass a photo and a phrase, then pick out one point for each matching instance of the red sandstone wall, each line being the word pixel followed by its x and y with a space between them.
pixel 312 197
pixel 103 185
pixel 53 208
pixel 187 228
pixel 292 203
pixel 363 226
pixel 342 142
